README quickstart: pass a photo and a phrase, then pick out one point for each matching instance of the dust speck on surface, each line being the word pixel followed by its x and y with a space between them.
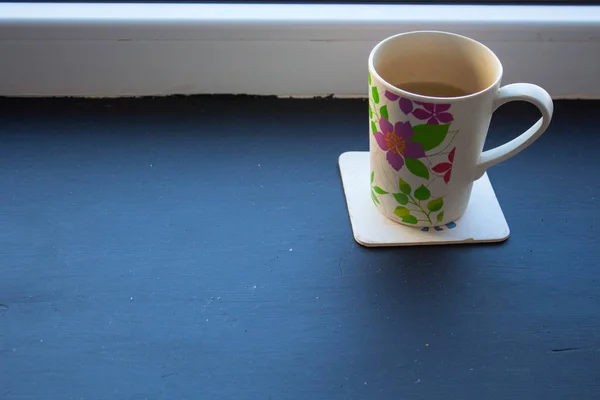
pixel 291 249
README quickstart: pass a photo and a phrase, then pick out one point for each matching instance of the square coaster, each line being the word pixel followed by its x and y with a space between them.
pixel 482 222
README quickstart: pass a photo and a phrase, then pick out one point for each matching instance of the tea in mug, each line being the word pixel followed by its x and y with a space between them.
pixel 432 89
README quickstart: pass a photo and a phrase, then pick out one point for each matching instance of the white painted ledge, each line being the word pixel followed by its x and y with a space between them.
pixel 111 50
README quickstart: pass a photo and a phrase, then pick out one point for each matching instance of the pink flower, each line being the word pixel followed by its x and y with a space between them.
pixel 436 113
pixel 445 167
pixel 394 140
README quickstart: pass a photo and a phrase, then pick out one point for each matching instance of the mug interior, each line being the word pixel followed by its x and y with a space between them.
pixel 436 57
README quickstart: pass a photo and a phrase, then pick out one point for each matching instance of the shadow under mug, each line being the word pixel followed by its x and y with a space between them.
pixel 427 150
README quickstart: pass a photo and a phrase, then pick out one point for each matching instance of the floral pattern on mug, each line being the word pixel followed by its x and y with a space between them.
pixel 395 141
pixel 434 113
pixel 406 105
pixel 417 146
pixel 445 167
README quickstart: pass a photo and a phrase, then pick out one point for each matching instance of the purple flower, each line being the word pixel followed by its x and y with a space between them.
pixel 391 96
pixel 435 112
pixel 406 105
pixel 394 140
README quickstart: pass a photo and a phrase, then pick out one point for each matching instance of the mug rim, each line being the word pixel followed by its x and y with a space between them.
pixel 405 93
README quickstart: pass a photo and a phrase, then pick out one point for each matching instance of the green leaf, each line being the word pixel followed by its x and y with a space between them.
pixel 401 198
pixel 440 217
pixel 422 193
pixel 417 167
pixel 370 112
pixel 372 176
pixel 373 127
pixel 429 136
pixel 379 190
pixel 410 219
pixel 375 94
pixel 375 200
pixel 404 187
pixel 384 112
pixel 369 79
pixel 402 212
pixel 436 204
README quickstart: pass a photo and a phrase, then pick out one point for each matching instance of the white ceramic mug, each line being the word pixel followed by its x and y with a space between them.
pixel 426 151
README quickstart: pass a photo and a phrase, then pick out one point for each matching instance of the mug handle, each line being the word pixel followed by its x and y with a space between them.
pixel 525 92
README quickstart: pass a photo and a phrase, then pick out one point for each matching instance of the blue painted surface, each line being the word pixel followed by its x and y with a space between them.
pixel 145 254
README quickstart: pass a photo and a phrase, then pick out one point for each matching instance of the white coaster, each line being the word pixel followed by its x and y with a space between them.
pixel 482 222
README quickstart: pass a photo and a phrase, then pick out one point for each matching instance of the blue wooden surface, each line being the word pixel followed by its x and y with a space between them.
pixel 201 249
